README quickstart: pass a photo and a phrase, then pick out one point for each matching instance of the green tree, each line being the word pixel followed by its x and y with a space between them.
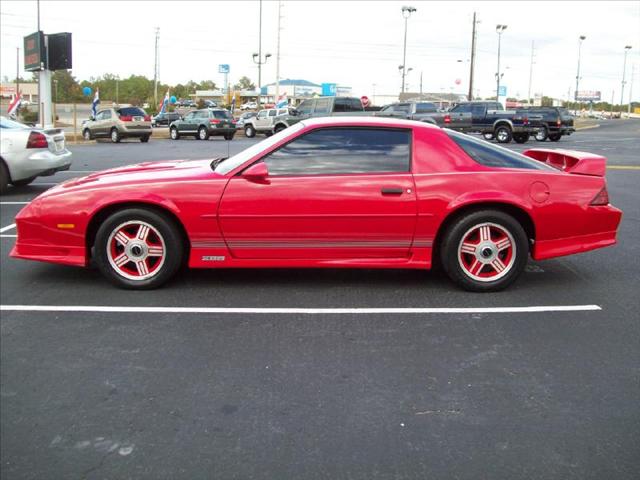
pixel 244 84
pixel 66 88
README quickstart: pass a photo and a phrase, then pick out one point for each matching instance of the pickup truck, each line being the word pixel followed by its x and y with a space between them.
pixel 490 119
pixel 421 111
pixel 554 123
pixel 265 121
pixel 321 107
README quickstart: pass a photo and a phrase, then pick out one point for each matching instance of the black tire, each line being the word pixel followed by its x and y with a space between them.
pixel 86 134
pixel 521 137
pixel 249 131
pixel 22 183
pixel 503 134
pixel 4 178
pixel 268 133
pixel 542 134
pixel 174 134
pixel 229 136
pixel 115 136
pixel 554 137
pixel 144 139
pixel 488 136
pixel 453 258
pixel 203 133
pixel 162 227
pixel 279 128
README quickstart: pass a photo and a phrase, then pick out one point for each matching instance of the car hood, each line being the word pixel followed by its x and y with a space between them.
pixel 147 174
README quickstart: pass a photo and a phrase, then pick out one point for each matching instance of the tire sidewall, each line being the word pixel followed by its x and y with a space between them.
pixel 201 135
pixel 543 134
pixel 174 247
pixel 173 133
pixel 509 135
pixel 451 240
pixel 249 131
pixel 86 134
pixel 115 135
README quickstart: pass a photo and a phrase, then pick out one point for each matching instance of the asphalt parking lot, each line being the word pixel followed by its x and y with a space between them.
pixel 332 392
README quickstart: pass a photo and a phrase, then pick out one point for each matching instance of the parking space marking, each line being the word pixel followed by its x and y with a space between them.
pixel 266 310
pixel 7 228
pixel 623 167
pixel 8 236
pixel 15 203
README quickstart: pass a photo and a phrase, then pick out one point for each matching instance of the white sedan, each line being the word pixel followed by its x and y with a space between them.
pixel 27 153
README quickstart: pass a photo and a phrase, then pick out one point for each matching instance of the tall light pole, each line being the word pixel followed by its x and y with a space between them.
pixel 473 57
pixel 624 71
pixel 406 13
pixel 258 56
pixel 530 72
pixel 499 30
pixel 582 37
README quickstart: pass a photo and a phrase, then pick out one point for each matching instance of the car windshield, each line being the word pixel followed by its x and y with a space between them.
pixel 238 159
pixel 6 123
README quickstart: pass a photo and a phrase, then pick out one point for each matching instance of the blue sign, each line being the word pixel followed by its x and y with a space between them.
pixel 329 89
pixel 223 68
pixel 502 92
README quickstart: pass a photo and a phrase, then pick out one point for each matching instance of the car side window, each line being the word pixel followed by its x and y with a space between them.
pixel 262 114
pixel 477 110
pixel 272 113
pixel 305 107
pixel 464 108
pixel 355 105
pixel 323 105
pixel 341 105
pixel 106 114
pixel 99 116
pixel 189 116
pixel 331 151
pixel 426 108
pixel 403 107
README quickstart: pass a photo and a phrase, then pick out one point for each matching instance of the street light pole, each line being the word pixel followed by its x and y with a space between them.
pixel 406 13
pixel 582 37
pixel 624 71
pixel 473 57
pixel 499 30
pixel 259 60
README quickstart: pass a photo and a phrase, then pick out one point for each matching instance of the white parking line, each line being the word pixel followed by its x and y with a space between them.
pixel 125 309
pixel 8 236
pixel 15 203
pixel 7 228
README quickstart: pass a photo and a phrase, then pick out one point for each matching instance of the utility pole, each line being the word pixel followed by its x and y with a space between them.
pixel 582 37
pixel 18 71
pixel 260 61
pixel 530 71
pixel 406 13
pixel 156 70
pixel 473 57
pixel 630 90
pixel 421 84
pixel 499 30
pixel 278 52
pixel 624 71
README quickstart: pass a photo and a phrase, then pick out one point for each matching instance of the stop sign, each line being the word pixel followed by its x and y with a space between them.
pixel 365 101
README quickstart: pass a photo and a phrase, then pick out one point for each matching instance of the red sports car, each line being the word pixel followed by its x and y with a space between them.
pixel 330 192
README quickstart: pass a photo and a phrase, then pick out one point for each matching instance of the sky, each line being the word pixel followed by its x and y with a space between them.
pixel 352 43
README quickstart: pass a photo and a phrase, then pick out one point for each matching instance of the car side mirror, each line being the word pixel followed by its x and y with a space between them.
pixel 256 172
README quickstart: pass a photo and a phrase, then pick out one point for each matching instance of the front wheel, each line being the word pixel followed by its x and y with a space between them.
pixel 503 134
pixel 554 137
pixel 138 248
pixel 144 139
pixel 542 134
pixel 249 131
pixel 484 251
pixel 488 136
pixel 173 133
pixel 86 134
pixel 279 128
pixel 115 135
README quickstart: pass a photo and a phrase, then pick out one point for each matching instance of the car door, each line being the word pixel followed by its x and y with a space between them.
pixel 333 193
pixel 479 115
pixel 187 125
pixel 460 116
pixel 261 120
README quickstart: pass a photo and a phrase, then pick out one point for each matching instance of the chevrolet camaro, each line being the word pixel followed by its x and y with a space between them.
pixel 330 192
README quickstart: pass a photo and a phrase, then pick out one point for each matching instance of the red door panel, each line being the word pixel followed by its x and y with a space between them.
pixel 320 217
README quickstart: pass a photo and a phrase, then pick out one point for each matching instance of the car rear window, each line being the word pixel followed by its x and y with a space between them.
pixel 220 114
pixel 491 155
pixel 131 112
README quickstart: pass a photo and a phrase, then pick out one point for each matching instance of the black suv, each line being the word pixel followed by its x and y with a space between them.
pixel 555 122
pixel 165 118
pixel 204 123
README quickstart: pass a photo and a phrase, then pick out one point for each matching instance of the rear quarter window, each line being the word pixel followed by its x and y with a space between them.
pixel 493 156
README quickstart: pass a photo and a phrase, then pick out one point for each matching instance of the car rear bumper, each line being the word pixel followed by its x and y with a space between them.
pixel 222 131
pixel 41 163
pixel 605 218
pixel 136 131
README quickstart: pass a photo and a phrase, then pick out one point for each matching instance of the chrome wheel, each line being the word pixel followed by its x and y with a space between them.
pixel 136 250
pixel 486 252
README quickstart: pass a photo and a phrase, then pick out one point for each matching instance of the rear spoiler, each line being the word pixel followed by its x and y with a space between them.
pixel 570 161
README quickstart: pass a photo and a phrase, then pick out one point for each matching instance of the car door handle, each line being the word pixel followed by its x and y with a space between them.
pixel 391 191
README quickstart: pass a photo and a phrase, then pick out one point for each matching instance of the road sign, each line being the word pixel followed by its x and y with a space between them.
pixel 223 68
pixel 502 92
pixel 588 95
pixel 329 89
pixel 34 57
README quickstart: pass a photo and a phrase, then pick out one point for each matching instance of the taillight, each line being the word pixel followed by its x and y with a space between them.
pixel 147 118
pixel 525 121
pixel 447 119
pixel 37 140
pixel 126 118
pixel 558 122
pixel 214 120
pixel 234 121
pixel 602 198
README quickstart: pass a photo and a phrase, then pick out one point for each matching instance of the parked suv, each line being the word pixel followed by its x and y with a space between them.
pixel 555 122
pixel 265 122
pixel 119 123
pixel 204 123
pixel 321 107
pixel 165 119
pixel 421 111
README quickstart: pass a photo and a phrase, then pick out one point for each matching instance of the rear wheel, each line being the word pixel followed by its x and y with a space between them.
pixel 249 131
pixel 22 183
pixel 542 134
pixel 487 136
pixel 138 248
pixel 503 134
pixel 86 134
pixel 521 137
pixel 115 135
pixel 279 128
pixel 554 137
pixel 203 133
pixel 484 251
pixel 4 178
pixel 229 136
pixel 173 133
